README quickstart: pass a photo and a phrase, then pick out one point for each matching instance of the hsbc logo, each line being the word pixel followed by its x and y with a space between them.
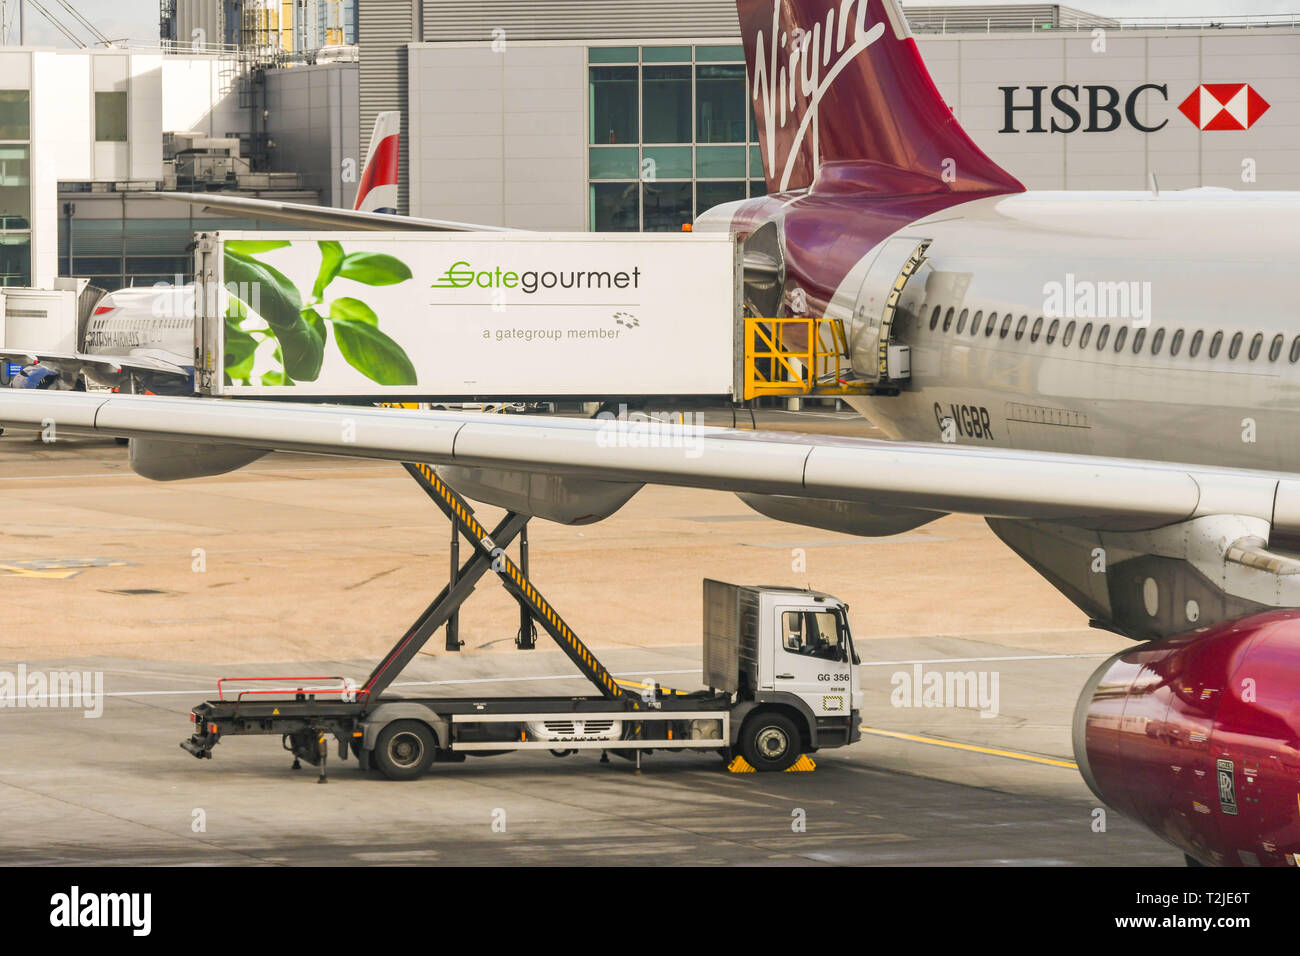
pixel 1214 106
pixel 1101 108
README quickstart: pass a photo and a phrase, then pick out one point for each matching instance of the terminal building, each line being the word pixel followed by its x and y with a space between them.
pixel 541 116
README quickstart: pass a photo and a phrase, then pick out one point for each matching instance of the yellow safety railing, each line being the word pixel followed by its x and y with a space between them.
pixel 797 356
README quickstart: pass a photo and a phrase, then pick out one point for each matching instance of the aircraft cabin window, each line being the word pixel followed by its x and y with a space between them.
pixel 1102 335
pixel 1256 344
pixel 1295 350
pixel 1052 329
pixel 1275 349
pixel 947 319
pixel 975 324
pixel 1139 337
pixel 934 318
pixel 1157 340
pixel 1069 334
pixel 1234 347
pixel 1037 330
pixel 812 634
pixel 1006 326
pixel 1020 327
pixel 1176 342
pixel 1216 343
pixel 1194 349
pixel 961 320
pixel 1121 334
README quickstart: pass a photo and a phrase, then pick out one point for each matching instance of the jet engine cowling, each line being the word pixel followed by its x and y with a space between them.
pixel 1197 737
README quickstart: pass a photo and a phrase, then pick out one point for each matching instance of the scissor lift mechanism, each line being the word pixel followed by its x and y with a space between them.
pixel 305 716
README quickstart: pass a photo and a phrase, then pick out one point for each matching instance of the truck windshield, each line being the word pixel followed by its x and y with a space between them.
pixel 813 634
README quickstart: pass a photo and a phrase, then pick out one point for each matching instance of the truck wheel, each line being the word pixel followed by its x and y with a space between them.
pixel 769 741
pixel 404 749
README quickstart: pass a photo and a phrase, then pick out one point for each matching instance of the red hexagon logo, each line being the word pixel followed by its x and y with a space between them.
pixel 1213 106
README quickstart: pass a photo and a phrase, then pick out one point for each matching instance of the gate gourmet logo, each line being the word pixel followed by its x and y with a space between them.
pixel 462 275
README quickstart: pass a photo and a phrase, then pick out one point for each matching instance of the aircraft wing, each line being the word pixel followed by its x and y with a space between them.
pixel 319 217
pixel 1088 490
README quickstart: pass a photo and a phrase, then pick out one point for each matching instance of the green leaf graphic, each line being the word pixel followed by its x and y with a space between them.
pixel 251 247
pixel 280 305
pixel 240 345
pixel 374 268
pixel 331 259
pixel 373 354
pixel 352 310
pixel 318 324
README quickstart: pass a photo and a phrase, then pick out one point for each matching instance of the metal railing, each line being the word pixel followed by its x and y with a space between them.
pixel 797 356
pixel 973 22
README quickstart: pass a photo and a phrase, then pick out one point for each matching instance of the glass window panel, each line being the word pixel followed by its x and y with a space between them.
pixel 721 104
pixel 95 236
pixel 756 162
pixel 16 260
pixel 15 114
pixel 672 162
pixel 607 163
pixel 813 634
pixel 97 265
pixel 160 264
pixel 758 187
pixel 708 195
pixel 614 207
pixel 611 54
pixel 667 206
pixel 666 54
pixel 714 54
pixel 720 162
pixel 15 187
pixel 110 117
pixel 612 91
pixel 666 97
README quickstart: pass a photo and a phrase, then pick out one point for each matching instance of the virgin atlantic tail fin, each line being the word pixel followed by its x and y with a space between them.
pixel 842 81
pixel 377 191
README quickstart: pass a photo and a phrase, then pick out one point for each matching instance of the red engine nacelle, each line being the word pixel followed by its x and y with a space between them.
pixel 1197 737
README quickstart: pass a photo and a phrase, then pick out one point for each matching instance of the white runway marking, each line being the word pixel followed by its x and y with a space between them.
pixel 627 674
pixel 985 660
pixel 406 683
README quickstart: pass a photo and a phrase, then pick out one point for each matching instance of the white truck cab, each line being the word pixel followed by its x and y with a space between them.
pixel 786 654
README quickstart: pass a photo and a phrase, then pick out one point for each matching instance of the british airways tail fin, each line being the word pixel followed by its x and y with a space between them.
pixel 378 189
pixel 842 81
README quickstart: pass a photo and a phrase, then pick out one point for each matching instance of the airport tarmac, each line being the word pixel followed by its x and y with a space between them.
pixel 311 565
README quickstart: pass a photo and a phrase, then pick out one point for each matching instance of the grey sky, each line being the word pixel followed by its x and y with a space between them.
pixel 138 19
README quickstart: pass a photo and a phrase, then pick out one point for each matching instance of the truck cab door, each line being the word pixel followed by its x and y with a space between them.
pixel 812 658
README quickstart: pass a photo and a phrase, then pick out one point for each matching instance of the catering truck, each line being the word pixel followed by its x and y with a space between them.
pixel 523 317
pixel 779 665
pixel 779 662
pixel 465 316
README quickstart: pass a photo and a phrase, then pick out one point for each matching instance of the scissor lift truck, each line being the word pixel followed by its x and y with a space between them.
pixel 779 662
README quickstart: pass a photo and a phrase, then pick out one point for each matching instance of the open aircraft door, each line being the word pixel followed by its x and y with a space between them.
pixel 877 358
